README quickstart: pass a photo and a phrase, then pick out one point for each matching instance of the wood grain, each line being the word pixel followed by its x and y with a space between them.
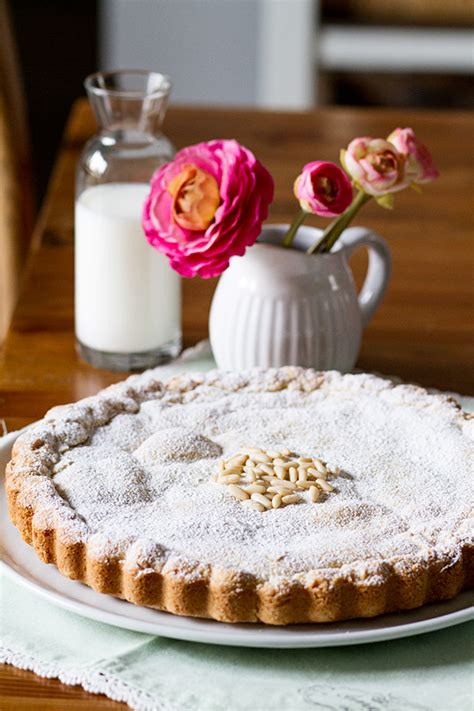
pixel 423 331
pixel 24 691
pixel 16 187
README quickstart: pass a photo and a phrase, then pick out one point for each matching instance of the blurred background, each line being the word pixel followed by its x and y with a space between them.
pixel 272 54
pixel 267 53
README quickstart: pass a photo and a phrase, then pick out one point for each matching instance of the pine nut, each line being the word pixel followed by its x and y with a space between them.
pixel 237 492
pixel 325 486
pixel 276 501
pixel 263 479
pixel 237 460
pixel 253 505
pixel 291 499
pixel 285 465
pixel 313 472
pixel 228 479
pixel 260 499
pixel 283 484
pixel 314 494
pixel 320 466
pixel 281 472
pixel 255 489
pixel 232 470
pixel 302 475
pixel 260 457
pixel 265 468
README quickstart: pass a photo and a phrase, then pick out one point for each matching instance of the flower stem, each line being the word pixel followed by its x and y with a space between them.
pixel 335 229
pixel 293 229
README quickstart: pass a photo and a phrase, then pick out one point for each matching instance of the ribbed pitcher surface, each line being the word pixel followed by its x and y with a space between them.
pixel 277 306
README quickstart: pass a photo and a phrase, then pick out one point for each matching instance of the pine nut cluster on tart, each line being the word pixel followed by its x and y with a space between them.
pixel 279 496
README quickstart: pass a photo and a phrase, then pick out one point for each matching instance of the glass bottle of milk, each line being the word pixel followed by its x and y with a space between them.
pixel 127 297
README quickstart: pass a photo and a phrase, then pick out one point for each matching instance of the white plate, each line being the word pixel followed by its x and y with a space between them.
pixel 24 567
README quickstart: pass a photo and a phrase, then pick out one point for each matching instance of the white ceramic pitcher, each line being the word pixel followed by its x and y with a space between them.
pixel 277 306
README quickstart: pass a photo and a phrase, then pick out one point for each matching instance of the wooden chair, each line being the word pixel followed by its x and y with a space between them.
pixel 16 194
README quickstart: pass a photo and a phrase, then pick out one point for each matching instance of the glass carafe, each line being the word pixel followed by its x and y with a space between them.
pixel 127 297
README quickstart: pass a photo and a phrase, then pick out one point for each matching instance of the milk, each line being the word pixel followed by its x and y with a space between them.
pixel 127 297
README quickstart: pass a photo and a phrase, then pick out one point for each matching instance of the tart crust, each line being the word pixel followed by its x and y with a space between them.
pixel 183 587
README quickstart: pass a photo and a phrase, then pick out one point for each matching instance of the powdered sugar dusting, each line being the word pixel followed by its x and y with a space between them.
pixel 176 444
pixel 142 484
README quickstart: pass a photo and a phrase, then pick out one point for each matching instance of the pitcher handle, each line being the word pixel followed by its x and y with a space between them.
pixel 379 269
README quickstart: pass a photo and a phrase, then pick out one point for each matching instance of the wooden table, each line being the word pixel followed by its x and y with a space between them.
pixel 423 332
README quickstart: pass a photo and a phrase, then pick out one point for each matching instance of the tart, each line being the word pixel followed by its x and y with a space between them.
pixel 195 495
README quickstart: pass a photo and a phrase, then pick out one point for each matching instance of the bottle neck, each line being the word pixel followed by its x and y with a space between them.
pixel 127 137
pixel 128 119
pixel 128 103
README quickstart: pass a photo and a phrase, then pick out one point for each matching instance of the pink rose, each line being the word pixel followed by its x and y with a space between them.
pixel 419 163
pixel 375 165
pixel 206 206
pixel 323 189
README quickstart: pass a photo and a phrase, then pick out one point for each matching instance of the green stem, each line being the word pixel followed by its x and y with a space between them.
pixel 293 229
pixel 337 227
pixel 317 246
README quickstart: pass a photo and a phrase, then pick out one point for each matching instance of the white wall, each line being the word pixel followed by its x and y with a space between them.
pixel 208 47
pixel 247 52
pixel 262 52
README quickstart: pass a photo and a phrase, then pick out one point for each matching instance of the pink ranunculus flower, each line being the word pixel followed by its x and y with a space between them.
pixel 375 165
pixel 419 163
pixel 206 206
pixel 323 189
